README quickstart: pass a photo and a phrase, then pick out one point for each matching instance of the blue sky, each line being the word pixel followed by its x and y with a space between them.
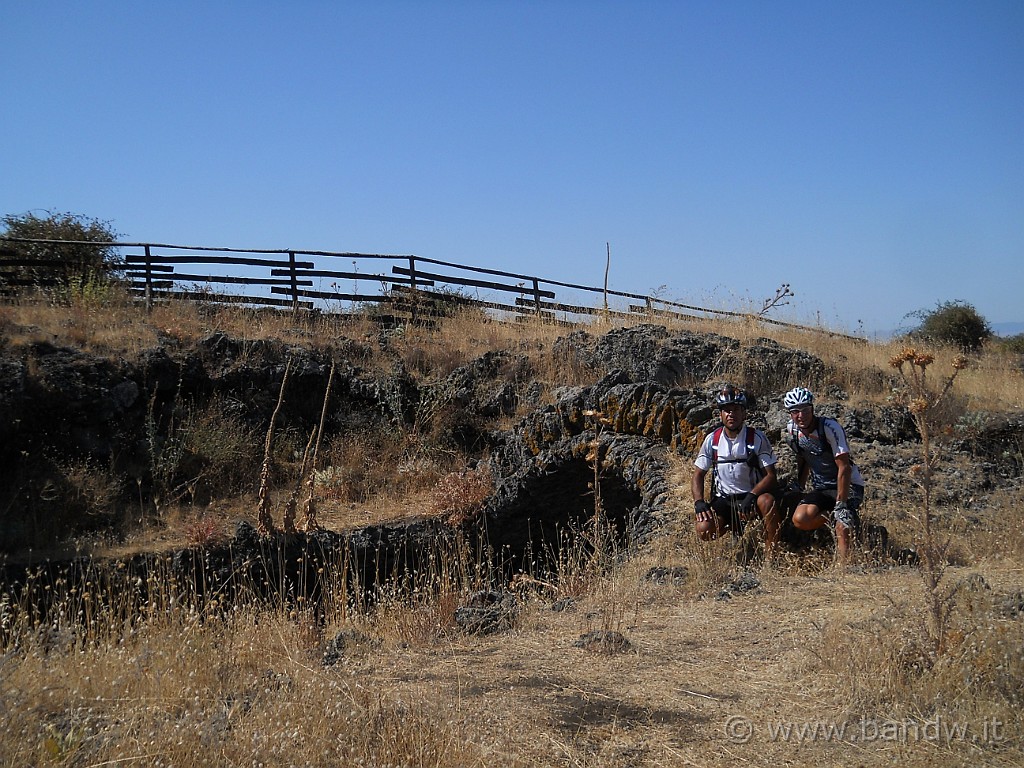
pixel 870 154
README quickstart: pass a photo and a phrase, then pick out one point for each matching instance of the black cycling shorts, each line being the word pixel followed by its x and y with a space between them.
pixel 825 500
pixel 729 505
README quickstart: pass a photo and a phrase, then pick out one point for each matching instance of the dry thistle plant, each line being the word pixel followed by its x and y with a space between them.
pixel 307 473
pixel 781 298
pixel 600 534
pixel 459 497
pixel 202 532
pixel 265 523
pixel 925 400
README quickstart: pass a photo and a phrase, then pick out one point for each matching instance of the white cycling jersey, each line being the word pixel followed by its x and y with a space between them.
pixel 736 475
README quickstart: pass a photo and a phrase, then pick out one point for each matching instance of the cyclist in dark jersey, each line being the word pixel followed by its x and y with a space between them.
pixel 823 456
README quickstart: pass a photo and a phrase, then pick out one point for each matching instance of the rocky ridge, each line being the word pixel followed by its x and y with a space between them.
pixel 650 396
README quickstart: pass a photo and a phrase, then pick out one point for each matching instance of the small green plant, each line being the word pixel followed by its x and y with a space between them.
pixel 60 746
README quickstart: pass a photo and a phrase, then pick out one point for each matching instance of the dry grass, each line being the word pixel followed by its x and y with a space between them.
pixel 810 648
pixel 712 675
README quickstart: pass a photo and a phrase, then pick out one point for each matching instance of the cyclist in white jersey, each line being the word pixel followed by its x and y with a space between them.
pixel 745 483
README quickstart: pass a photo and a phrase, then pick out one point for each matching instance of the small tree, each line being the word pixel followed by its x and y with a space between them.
pixel 83 251
pixel 953 323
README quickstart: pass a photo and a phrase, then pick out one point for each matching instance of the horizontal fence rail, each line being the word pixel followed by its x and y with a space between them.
pixel 338 282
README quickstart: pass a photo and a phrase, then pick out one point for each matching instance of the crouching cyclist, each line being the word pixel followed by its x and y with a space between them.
pixel 823 455
pixel 744 479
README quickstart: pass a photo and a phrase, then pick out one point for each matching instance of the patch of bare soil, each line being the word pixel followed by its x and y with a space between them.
pixel 706 680
pixel 714 664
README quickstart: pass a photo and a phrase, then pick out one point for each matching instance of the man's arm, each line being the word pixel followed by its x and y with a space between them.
pixel 767 483
pixel 843 480
pixel 697 484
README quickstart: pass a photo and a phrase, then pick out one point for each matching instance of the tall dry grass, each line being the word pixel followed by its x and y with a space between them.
pixel 113 678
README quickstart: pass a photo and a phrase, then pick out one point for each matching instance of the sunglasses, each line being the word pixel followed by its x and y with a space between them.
pixel 801 409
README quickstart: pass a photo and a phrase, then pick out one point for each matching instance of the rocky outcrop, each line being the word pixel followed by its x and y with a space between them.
pixel 652 394
pixel 652 354
pixel 602 448
pixel 613 435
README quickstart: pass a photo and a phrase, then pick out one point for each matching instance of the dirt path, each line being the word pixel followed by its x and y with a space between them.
pixel 706 681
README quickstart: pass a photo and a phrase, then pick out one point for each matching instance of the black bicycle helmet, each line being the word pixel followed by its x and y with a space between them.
pixel 731 396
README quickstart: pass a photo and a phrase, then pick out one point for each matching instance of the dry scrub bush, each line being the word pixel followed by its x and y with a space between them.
pixel 224 448
pixel 884 665
pixel 114 326
pixel 377 462
pixel 999 536
pixel 44 501
pixel 459 497
pixel 188 322
pixel 200 452
pixel 416 608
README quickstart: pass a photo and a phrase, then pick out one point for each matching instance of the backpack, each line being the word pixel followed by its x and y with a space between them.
pixel 793 438
pixel 793 435
pixel 750 459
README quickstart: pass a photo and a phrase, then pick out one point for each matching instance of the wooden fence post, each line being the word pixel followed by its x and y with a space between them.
pixel 295 282
pixel 412 287
pixel 536 294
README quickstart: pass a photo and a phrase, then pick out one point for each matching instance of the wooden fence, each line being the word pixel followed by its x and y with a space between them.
pixel 412 286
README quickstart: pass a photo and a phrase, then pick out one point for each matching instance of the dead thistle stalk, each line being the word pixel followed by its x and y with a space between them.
pixel 601 543
pixel 309 522
pixel 264 522
pixel 923 399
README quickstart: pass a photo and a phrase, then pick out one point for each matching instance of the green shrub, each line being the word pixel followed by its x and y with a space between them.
pixel 199 453
pixel 84 256
pixel 952 323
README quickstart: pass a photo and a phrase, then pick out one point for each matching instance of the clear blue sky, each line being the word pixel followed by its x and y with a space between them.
pixel 871 154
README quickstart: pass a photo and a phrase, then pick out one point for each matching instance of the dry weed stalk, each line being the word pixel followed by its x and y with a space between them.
pixel 309 522
pixel 924 400
pixel 781 298
pixel 290 507
pixel 264 522
pixel 307 473
pixel 601 538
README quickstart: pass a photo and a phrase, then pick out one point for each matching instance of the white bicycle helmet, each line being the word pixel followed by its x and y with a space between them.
pixel 797 397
